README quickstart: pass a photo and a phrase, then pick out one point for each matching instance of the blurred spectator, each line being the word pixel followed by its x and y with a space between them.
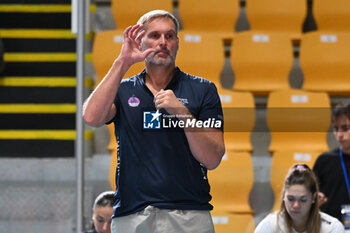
pixel 102 212
pixel 299 210
pixel 332 168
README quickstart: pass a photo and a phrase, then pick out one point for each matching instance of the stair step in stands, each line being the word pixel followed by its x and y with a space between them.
pixel 37 84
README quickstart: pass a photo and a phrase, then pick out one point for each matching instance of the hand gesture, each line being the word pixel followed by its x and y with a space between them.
pixel 166 99
pixel 131 50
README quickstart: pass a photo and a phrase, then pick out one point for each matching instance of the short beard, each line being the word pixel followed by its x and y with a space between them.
pixel 151 60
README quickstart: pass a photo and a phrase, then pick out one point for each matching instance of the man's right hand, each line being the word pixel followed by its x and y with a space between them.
pixel 131 50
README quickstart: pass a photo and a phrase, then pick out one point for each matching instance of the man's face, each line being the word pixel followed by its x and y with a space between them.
pixel 160 35
pixel 341 130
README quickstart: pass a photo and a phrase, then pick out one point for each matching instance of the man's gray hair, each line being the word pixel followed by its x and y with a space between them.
pixel 159 14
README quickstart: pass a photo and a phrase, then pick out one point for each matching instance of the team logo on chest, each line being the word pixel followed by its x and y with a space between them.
pixel 133 101
pixel 183 101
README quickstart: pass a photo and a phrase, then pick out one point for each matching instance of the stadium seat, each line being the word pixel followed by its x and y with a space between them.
pixel 126 13
pixel 201 54
pixel 281 162
pixel 332 15
pixel 217 16
pixel 232 182
pixel 231 223
pixel 298 120
pixel 275 15
pixel 112 169
pixel 324 61
pixel 261 62
pixel 239 119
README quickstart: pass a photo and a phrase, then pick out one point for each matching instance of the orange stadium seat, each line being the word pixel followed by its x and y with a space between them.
pixel 324 60
pixel 298 120
pixel 239 119
pixel 232 182
pixel 112 169
pixel 126 13
pixel 201 54
pixel 281 162
pixel 275 15
pixel 217 16
pixel 261 61
pixel 332 15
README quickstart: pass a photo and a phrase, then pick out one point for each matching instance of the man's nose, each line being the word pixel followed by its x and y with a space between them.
pixel 162 39
pixel 338 134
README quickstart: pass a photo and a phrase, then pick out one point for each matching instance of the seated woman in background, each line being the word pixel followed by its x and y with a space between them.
pixel 299 212
pixel 102 212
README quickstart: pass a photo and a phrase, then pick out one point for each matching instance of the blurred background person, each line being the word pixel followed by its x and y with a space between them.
pixel 299 211
pixel 332 168
pixel 102 212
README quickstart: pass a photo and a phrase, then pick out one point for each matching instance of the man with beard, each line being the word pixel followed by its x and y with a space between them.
pixel 161 175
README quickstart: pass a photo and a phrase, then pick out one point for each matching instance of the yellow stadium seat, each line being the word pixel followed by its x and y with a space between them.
pixel 201 54
pixel 126 13
pixel 261 61
pixel 332 15
pixel 281 162
pixel 275 15
pixel 324 60
pixel 298 120
pixel 232 223
pixel 112 169
pixel 217 16
pixel 232 182
pixel 239 119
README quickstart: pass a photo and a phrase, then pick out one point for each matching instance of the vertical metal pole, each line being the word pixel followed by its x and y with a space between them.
pixel 79 142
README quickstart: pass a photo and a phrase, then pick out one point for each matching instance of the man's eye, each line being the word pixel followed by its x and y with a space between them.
pixel 170 36
pixel 154 35
pixel 345 129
